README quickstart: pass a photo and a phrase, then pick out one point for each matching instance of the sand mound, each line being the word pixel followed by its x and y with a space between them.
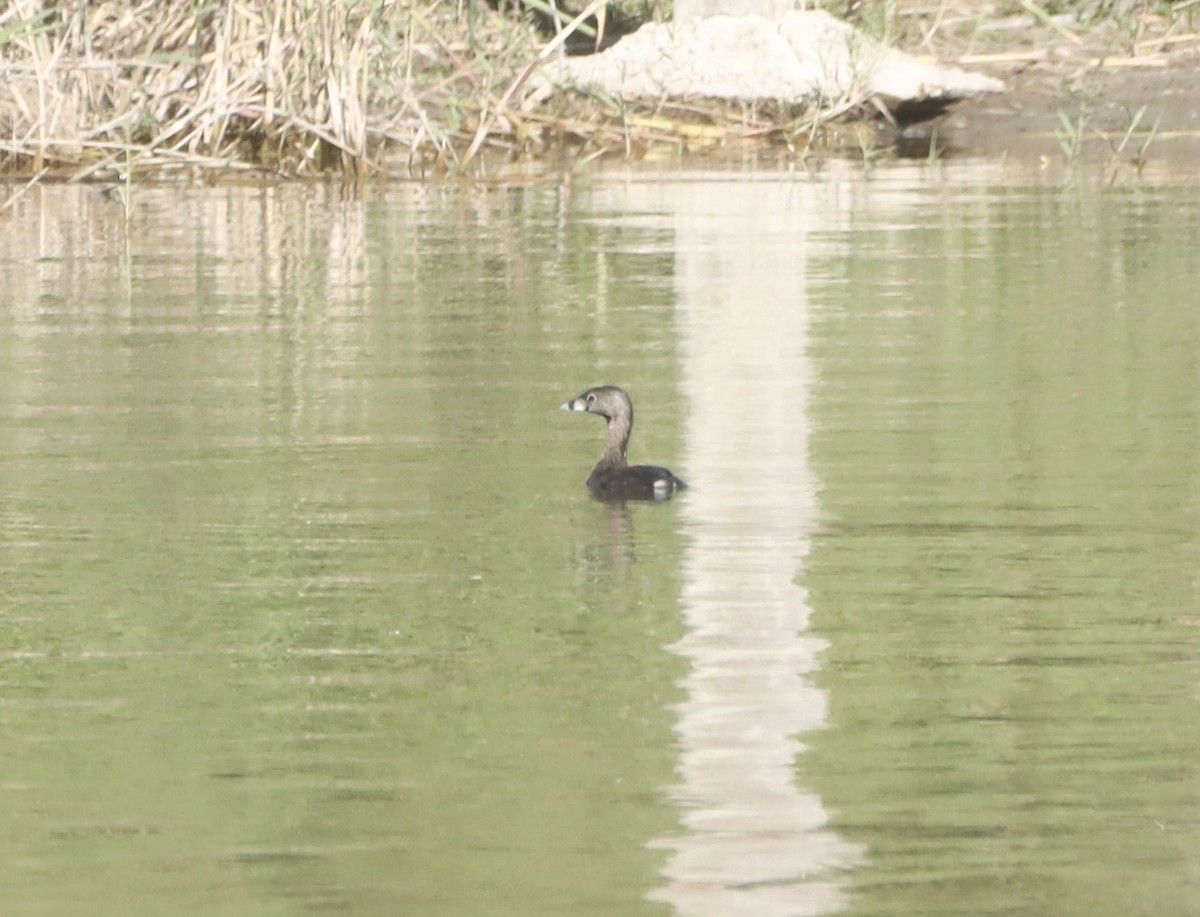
pixel 800 57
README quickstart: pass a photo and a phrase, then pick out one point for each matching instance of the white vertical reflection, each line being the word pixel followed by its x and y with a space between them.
pixel 753 840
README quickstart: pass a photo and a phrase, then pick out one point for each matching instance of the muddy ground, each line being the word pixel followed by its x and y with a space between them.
pixel 1026 121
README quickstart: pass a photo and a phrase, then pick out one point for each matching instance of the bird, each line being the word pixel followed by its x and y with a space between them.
pixel 613 478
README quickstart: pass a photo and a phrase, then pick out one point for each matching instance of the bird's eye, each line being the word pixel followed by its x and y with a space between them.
pixel 591 398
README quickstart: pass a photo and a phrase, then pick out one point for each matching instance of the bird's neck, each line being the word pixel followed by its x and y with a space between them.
pixel 613 456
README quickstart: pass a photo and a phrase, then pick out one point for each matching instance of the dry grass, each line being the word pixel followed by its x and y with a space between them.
pixel 1123 30
pixel 295 86
pixel 300 87
pixel 394 87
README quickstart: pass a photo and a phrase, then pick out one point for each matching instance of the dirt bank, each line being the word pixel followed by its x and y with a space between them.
pixel 1052 101
pixel 1079 86
pixel 148 91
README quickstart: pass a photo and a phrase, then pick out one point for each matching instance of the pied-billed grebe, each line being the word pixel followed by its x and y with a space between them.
pixel 614 478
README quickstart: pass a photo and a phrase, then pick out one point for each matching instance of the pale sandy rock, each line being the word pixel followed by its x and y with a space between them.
pixel 798 58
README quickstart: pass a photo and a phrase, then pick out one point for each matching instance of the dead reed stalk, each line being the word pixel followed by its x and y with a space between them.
pixel 295 86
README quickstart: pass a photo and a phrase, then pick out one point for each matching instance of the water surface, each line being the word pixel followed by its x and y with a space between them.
pixel 306 607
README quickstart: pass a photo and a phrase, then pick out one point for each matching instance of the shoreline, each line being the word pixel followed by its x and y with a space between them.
pixel 1071 95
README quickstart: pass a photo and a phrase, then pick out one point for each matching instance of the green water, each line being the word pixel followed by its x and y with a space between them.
pixel 1009 569
pixel 304 606
pixel 298 615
